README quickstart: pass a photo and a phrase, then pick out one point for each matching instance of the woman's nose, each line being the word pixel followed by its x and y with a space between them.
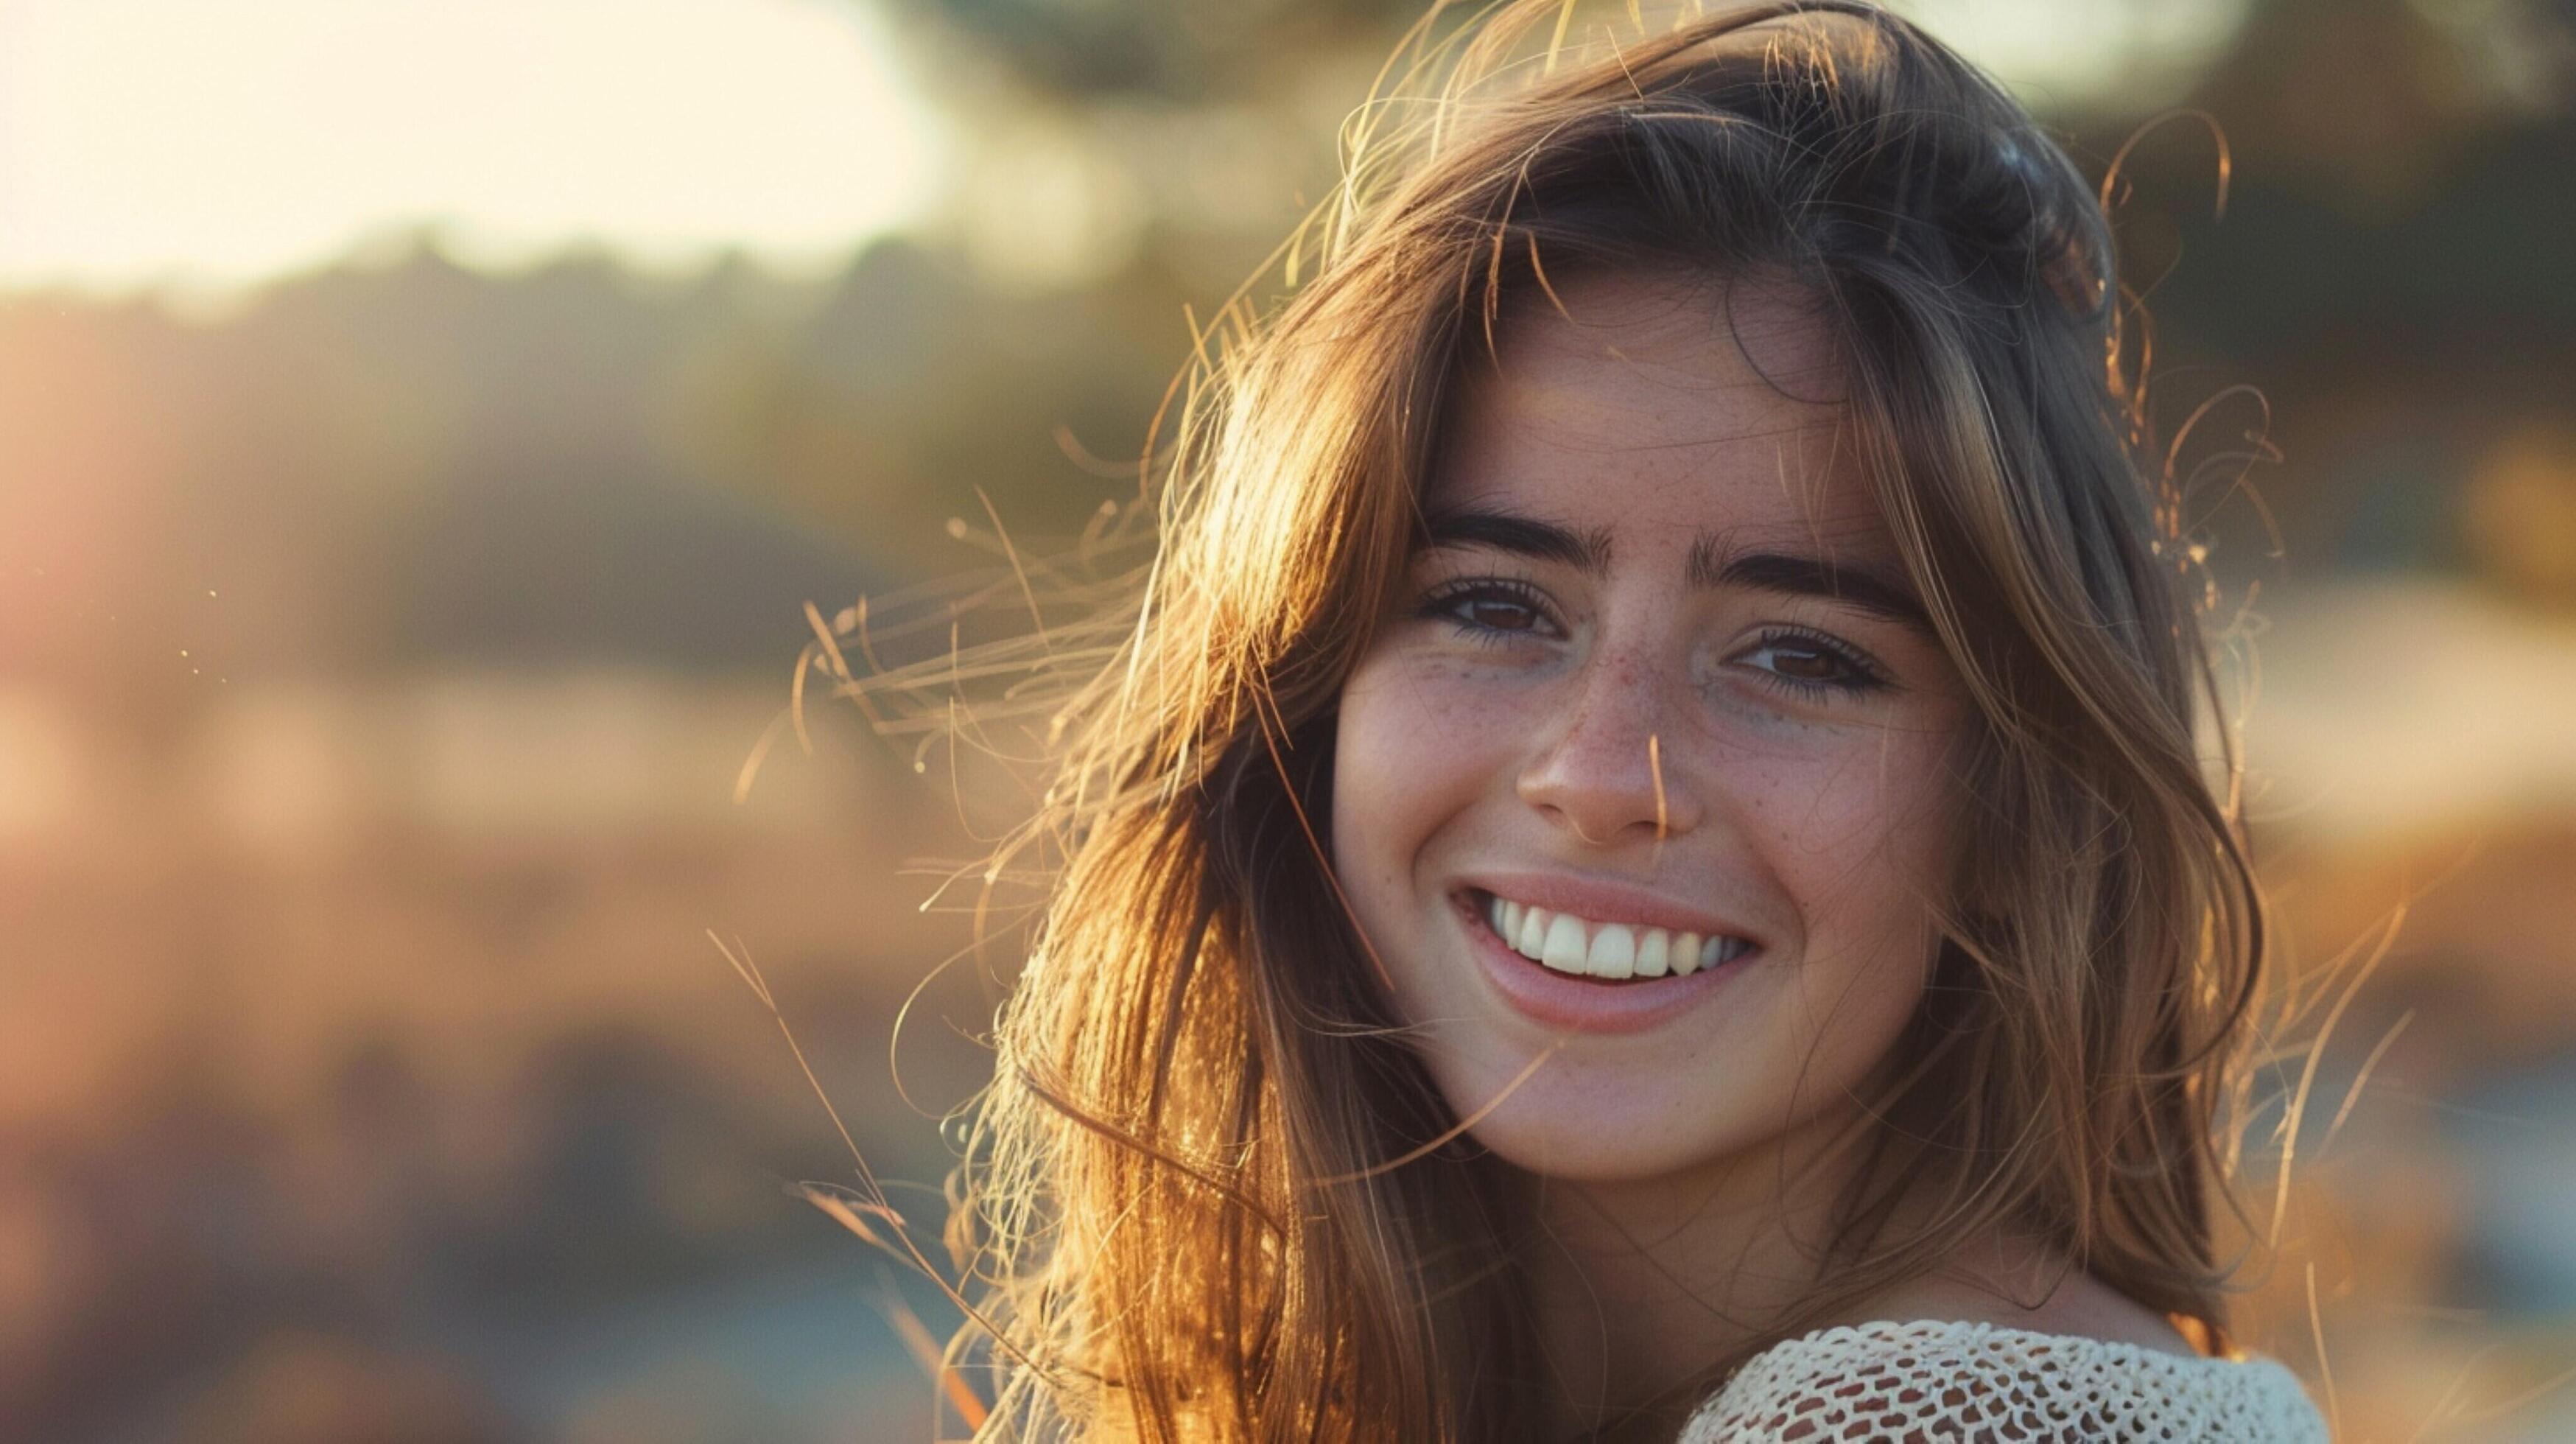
pixel 1606 772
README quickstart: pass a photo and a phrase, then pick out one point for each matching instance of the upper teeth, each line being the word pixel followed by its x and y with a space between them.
pixel 1570 944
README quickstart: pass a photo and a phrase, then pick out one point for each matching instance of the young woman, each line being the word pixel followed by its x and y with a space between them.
pixel 1640 863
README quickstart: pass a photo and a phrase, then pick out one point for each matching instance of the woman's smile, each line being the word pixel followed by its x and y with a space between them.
pixel 1567 971
pixel 1566 942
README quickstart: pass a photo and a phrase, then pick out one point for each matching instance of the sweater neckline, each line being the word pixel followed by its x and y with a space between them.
pixel 1909 1331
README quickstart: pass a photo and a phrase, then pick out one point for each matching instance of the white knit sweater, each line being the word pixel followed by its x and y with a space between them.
pixel 1982 1384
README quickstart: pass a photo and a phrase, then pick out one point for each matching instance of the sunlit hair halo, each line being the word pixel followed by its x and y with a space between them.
pixel 1211 1191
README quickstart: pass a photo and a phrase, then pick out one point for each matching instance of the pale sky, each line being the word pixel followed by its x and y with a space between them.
pixel 200 146
pixel 2053 51
pixel 206 143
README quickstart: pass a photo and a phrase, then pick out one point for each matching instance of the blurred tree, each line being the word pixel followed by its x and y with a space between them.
pixel 2376 100
pixel 1094 50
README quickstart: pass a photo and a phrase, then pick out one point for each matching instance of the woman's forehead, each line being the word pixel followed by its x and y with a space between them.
pixel 1653 402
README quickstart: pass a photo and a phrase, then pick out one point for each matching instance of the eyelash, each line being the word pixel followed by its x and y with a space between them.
pixel 1443 602
pixel 1861 675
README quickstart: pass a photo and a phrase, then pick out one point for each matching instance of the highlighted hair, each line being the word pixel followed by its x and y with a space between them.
pixel 1211 1192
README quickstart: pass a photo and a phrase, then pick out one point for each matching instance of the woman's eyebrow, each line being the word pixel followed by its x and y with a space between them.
pixel 1860 585
pixel 1586 552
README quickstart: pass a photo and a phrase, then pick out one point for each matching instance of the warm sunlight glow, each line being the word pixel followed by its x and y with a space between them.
pixel 214 144
pixel 2055 55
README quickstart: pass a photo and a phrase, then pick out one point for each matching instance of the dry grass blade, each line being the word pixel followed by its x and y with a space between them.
pixel 2525 1399
pixel 749 971
pixel 2325 1365
pixel 2361 1078
pixel 2298 1105
pixel 870 1202
pixel 759 754
pixel 925 1352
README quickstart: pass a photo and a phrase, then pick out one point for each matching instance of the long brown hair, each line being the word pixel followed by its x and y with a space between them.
pixel 1211 1192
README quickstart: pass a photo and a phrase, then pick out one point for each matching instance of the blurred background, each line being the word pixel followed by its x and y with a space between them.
pixel 424 422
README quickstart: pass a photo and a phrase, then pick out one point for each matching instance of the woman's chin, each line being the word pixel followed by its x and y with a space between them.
pixel 1599 1128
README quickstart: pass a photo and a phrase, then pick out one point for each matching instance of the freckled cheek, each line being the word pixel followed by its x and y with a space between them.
pixel 1414 747
pixel 1855 817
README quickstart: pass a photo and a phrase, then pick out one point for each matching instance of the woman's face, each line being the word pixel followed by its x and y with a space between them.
pixel 1649 768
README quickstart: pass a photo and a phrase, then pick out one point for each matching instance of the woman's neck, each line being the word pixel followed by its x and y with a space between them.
pixel 1642 1290
pixel 1639 1287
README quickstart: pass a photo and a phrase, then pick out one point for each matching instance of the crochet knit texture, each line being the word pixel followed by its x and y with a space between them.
pixel 1981 1384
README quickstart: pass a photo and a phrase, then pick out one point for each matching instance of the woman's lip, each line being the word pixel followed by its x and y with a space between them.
pixel 1605 902
pixel 1588 1005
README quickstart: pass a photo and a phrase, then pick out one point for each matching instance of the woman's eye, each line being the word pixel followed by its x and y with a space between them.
pixel 1490 608
pixel 1812 663
pixel 1806 664
pixel 1500 616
